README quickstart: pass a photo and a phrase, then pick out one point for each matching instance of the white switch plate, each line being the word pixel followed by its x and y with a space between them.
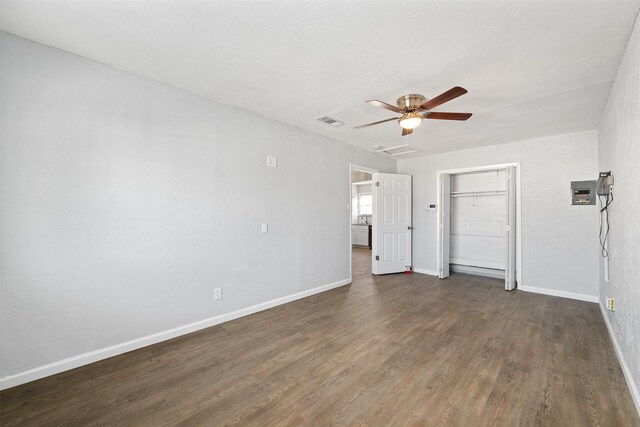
pixel 217 293
pixel 272 162
pixel 265 227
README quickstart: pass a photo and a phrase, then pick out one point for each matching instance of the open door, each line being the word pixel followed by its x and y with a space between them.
pixel 391 223
pixel 510 265
pixel 444 225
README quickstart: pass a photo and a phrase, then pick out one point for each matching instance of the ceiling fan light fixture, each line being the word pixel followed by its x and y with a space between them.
pixel 410 120
pixel 413 108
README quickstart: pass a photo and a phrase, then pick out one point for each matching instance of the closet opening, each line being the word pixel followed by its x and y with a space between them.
pixel 478 222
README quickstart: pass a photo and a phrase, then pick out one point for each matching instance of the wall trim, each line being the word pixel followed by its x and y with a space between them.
pixel 478 271
pixel 633 388
pixel 424 271
pixel 114 350
pixel 563 294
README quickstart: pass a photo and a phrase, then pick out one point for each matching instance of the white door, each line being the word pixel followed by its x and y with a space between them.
pixel 444 224
pixel 510 266
pixel 391 223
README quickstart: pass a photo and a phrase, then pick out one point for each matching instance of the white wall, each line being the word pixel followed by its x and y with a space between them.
pixel 126 201
pixel 619 139
pixel 559 241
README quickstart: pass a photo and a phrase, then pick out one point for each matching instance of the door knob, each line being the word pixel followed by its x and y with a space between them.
pixel 409 228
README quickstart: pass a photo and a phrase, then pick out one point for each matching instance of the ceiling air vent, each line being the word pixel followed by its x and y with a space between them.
pixel 330 121
pixel 399 150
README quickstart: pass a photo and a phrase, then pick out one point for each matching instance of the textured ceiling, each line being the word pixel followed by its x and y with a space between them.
pixel 532 68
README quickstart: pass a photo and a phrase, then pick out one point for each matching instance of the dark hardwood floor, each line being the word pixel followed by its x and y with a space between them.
pixel 390 350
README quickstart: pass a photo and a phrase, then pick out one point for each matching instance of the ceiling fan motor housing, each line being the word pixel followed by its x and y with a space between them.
pixel 411 102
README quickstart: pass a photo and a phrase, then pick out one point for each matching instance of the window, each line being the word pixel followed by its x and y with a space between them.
pixel 365 204
pixel 361 201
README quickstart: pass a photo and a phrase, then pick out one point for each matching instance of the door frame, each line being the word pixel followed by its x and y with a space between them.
pixel 352 167
pixel 518 211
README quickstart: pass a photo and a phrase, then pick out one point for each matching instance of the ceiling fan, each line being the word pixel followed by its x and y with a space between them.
pixel 414 108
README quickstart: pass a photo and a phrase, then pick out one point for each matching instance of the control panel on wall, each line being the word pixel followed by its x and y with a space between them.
pixel 583 192
pixel 605 182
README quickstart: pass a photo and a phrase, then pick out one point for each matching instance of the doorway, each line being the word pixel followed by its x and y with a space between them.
pixel 381 219
pixel 479 222
pixel 361 210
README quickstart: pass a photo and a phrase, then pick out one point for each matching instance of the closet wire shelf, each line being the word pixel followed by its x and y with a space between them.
pixel 477 193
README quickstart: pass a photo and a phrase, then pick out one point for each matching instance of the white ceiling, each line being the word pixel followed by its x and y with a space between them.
pixel 532 68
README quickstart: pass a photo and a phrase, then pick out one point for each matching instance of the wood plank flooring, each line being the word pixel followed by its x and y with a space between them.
pixel 391 350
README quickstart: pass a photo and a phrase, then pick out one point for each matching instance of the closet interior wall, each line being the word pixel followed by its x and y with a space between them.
pixel 478 242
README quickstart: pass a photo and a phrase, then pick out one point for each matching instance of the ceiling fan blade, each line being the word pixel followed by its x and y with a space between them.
pixel 406 132
pixel 447 116
pixel 384 105
pixel 452 93
pixel 376 123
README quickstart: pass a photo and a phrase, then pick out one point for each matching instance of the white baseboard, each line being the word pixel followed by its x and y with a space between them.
pixel 563 294
pixel 114 350
pixel 633 388
pixel 477 263
pixel 423 271
pixel 478 271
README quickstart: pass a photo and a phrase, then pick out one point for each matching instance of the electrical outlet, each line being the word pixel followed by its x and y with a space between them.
pixel 217 293
pixel 272 162
pixel 611 304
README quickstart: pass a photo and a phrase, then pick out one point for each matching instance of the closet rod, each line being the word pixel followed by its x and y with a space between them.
pixel 478 193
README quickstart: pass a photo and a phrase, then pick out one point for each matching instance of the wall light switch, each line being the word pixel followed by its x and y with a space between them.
pixel 265 227
pixel 272 162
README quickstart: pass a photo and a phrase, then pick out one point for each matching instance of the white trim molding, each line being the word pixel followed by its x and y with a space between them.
pixel 423 271
pixel 114 350
pixel 633 388
pixel 479 271
pixel 562 294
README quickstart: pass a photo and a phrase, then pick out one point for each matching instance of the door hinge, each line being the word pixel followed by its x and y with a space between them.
pixel 377 183
pixel 377 258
